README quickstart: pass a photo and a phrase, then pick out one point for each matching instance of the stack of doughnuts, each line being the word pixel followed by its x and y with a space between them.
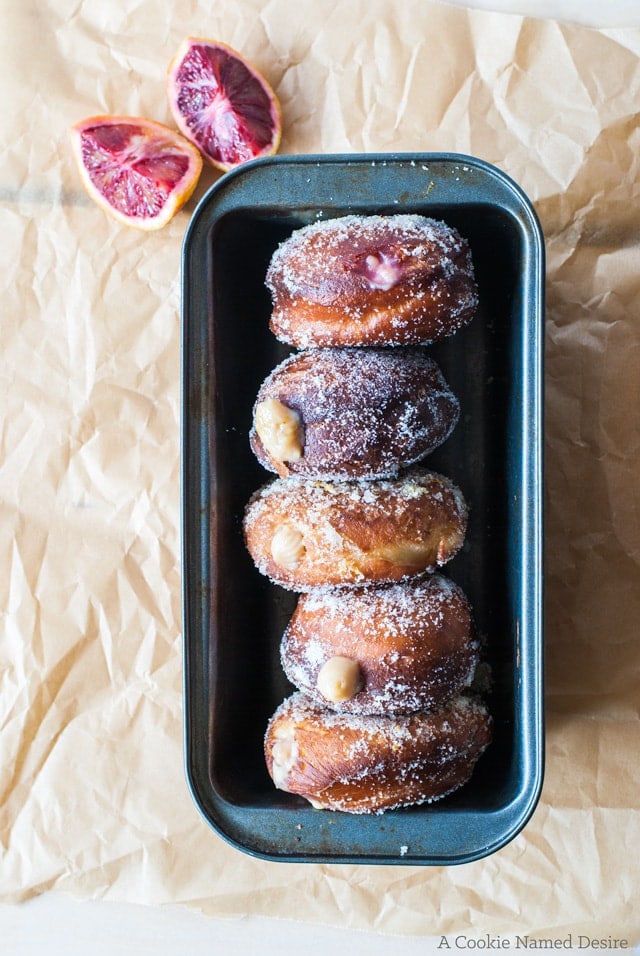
pixel 381 647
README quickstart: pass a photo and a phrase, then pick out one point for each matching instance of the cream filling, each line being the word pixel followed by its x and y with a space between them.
pixel 287 547
pixel 412 554
pixel 339 679
pixel 280 430
pixel 284 754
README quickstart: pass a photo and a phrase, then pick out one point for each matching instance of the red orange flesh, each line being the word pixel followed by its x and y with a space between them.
pixel 140 171
pixel 222 104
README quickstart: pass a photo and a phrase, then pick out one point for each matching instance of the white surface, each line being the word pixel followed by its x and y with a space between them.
pixel 58 926
pixel 613 13
pixel 55 925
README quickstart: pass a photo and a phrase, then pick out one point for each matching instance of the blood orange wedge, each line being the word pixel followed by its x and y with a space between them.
pixel 140 171
pixel 222 104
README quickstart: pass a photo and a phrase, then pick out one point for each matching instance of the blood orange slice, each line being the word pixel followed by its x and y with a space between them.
pixel 222 104
pixel 140 171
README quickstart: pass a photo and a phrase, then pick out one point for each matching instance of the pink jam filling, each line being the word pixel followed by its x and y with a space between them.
pixel 381 271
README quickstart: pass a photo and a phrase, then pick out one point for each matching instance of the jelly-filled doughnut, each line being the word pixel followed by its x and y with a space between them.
pixel 305 533
pixel 351 413
pixel 371 280
pixel 375 763
pixel 383 650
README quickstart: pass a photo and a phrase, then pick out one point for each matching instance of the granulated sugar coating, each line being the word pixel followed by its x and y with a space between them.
pixel 382 649
pixel 369 764
pixel 371 280
pixel 364 413
pixel 414 644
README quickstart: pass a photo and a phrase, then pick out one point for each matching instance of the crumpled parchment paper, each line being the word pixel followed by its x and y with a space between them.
pixel 93 798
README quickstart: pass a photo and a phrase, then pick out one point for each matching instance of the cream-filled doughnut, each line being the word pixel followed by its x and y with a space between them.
pixel 382 650
pixel 305 533
pixel 351 413
pixel 370 764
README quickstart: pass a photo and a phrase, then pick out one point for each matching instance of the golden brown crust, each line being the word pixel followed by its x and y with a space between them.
pixel 356 413
pixel 413 644
pixel 371 280
pixel 305 533
pixel 372 764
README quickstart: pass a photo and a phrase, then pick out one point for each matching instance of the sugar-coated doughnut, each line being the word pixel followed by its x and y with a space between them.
pixel 383 650
pixel 351 413
pixel 371 280
pixel 305 533
pixel 375 763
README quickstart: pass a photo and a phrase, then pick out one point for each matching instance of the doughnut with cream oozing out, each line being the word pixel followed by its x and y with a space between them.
pixel 305 533
pixel 395 649
pixel 371 764
pixel 371 280
pixel 351 413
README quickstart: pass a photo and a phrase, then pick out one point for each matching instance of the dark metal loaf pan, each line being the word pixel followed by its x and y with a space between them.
pixel 234 618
